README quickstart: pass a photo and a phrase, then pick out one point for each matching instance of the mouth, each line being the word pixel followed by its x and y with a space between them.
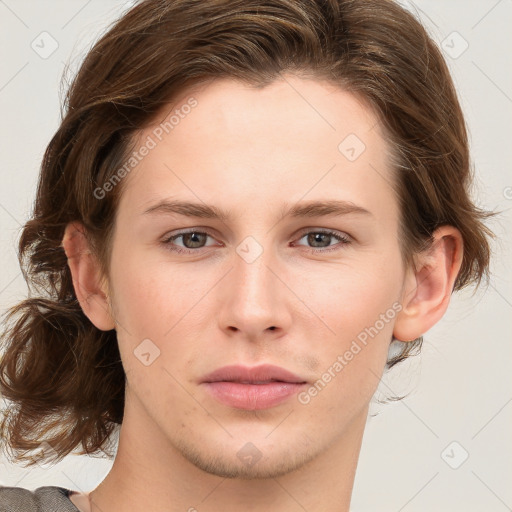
pixel 252 388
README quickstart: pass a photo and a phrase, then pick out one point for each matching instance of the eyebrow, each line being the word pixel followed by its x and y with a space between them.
pixel 305 209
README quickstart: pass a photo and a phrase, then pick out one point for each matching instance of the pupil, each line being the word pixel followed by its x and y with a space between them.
pixel 195 242
pixel 316 237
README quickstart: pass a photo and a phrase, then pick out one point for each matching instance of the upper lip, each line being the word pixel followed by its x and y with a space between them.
pixel 255 374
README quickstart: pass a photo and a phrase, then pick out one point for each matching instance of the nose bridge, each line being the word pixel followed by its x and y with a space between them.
pixel 252 278
pixel 254 300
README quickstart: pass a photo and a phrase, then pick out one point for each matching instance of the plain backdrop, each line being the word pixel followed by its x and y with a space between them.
pixel 447 446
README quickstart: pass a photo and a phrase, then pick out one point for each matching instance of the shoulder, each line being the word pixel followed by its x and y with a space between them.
pixel 43 499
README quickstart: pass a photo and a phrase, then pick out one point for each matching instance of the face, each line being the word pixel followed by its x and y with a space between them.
pixel 300 268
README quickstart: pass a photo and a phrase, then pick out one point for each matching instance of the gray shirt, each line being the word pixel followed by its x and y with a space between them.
pixel 43 499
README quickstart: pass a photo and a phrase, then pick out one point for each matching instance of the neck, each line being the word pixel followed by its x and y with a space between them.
pixel 150 474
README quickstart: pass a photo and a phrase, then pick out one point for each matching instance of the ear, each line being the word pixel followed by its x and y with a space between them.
pixel 90 289
pixel 428 287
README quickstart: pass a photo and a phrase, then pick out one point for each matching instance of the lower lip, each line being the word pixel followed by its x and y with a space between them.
pixel 252 396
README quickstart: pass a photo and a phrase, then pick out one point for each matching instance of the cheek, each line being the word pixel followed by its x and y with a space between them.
pixel 152 300
pixel 152 295
pixel 359 306
pixel 351 298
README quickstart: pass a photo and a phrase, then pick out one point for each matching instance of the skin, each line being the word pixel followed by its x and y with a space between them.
pixel 255 153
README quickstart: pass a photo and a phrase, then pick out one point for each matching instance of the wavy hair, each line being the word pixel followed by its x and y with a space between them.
pixel 62 378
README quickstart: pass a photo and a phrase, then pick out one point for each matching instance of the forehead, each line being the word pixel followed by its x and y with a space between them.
pixel 228 142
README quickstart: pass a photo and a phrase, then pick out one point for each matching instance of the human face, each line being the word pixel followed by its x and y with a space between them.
pixel 256 289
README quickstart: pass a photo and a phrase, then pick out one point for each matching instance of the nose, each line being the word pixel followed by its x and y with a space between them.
pixel 255 302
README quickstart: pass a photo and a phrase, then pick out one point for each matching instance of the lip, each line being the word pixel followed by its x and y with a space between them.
pixel 252 374
pixel 252 388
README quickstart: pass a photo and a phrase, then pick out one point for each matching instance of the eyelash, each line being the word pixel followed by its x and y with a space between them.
pixel 343 239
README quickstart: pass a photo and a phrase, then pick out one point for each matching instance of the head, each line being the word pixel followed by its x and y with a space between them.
pixel 345 103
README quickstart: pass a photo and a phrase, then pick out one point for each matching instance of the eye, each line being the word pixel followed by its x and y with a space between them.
pixel 320 239
pixel 192 241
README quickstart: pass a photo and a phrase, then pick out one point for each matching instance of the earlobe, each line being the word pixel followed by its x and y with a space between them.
pixel 89 287
pixel 428 287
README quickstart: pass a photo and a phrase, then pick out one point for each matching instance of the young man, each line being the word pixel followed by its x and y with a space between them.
pixel 238 193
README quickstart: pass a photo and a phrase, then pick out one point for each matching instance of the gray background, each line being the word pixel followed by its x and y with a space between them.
pixel 460 393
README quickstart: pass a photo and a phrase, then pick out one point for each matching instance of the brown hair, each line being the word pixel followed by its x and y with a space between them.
pixel 62 376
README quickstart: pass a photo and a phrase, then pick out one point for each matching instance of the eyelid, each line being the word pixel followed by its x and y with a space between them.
pixel 328 231
pixel 184 231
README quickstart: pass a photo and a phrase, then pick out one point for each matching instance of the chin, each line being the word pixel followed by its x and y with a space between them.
pixel 248 460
